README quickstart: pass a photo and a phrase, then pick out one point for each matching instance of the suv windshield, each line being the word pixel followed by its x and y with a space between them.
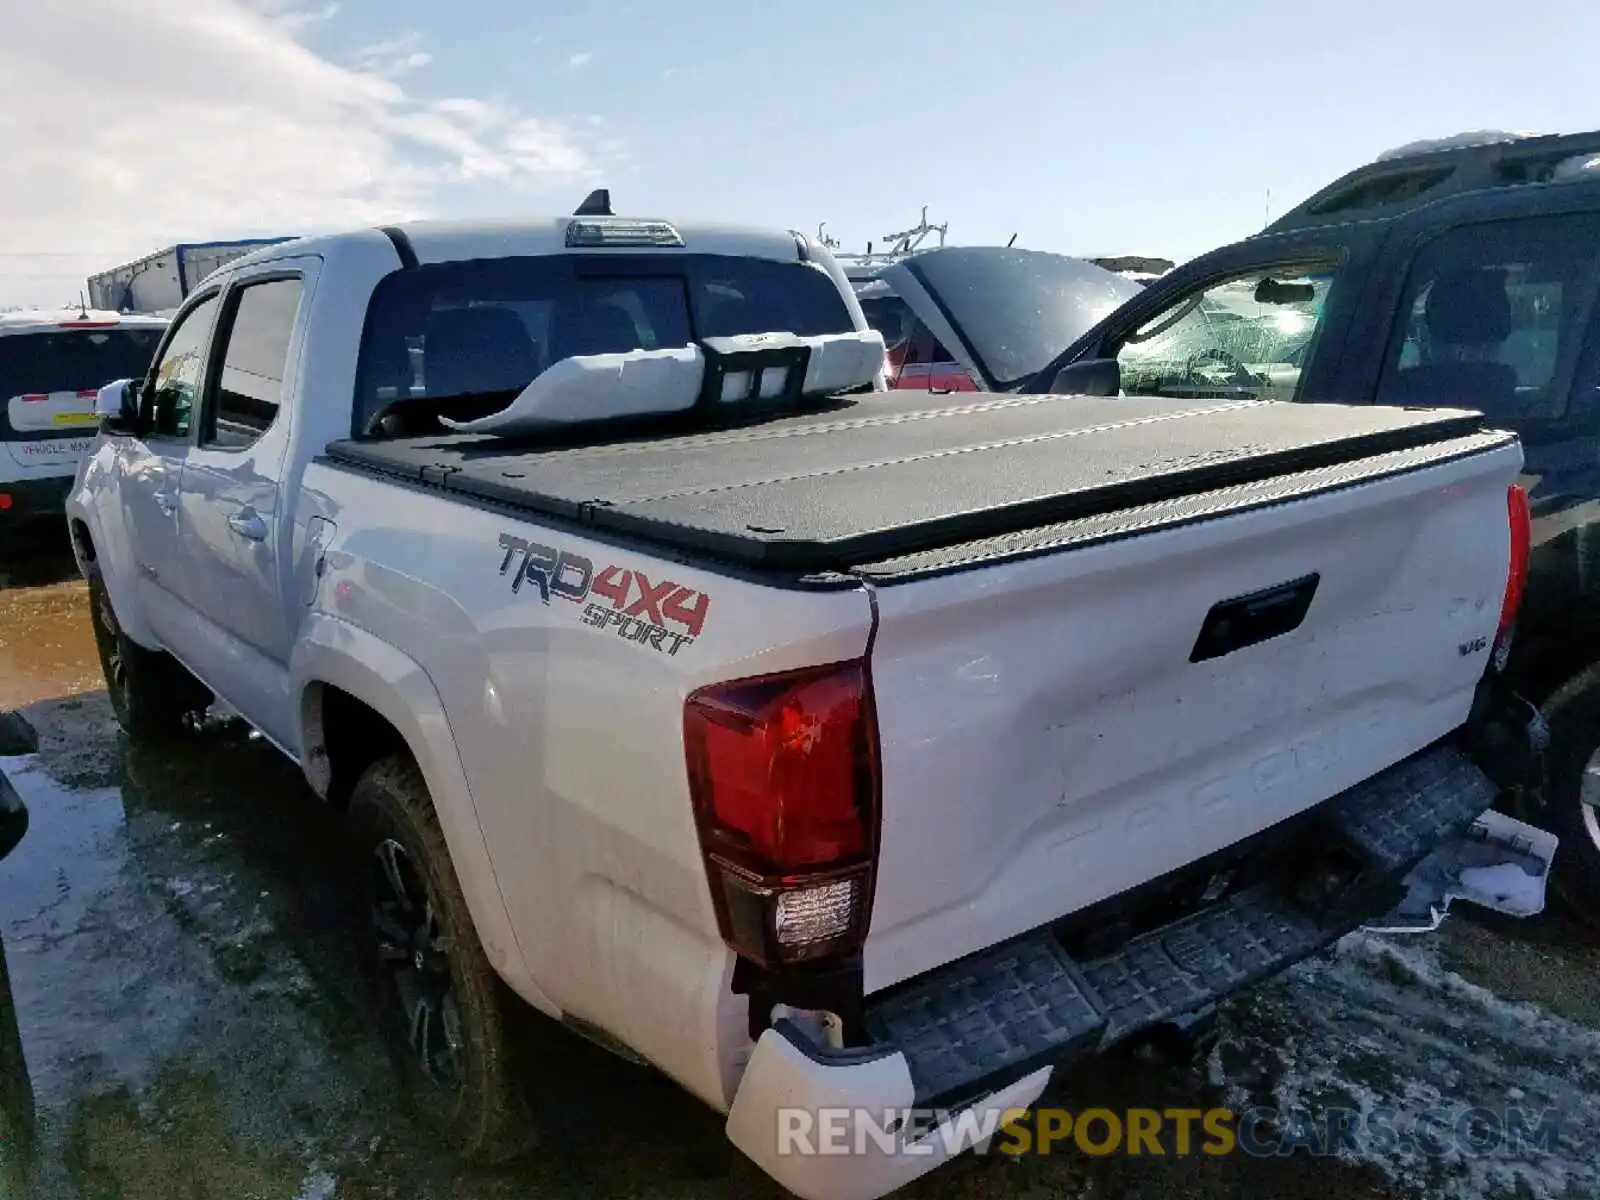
pixel 460 339
pixel 80 360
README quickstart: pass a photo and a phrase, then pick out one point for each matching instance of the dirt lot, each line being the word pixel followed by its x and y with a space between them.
pixel 191 1027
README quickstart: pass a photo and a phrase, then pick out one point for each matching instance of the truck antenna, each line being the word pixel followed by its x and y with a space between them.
pixel 83 306
pixel 1012 242
pixel 596 204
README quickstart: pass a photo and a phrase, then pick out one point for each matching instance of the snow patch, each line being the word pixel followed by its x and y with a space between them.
pixel 1455 141
pixel 1381 1028
pixel 317 1185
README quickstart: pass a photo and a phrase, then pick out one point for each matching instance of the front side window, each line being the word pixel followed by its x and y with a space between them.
pixel 254 358
pixel 461 339
pixel 1487 314
pixel 180 373
pixel 1245 338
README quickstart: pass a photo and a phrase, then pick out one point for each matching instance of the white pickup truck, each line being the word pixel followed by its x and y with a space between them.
pixel 818 744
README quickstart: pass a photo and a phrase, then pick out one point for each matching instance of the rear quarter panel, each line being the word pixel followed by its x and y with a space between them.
pixel 568 716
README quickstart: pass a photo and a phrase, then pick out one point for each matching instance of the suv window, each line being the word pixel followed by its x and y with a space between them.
pixel 255 353
pixel 905 338
pixel 63 366
pixel 462 338
pixel 180 373
pixel 1245 338
pixel 1487 314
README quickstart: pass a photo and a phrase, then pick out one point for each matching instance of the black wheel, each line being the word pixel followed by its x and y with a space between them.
pixel 152 694
pixel 442 1007
pixel 1572 793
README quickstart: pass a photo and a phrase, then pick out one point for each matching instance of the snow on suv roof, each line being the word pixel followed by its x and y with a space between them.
pixel 43 320
pixel 1455 141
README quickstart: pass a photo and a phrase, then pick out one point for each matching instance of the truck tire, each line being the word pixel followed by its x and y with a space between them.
pixel 1572 795
pixel 152 693
pixel 442 1007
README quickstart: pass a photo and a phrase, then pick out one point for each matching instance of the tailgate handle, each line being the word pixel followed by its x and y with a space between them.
pixel 1245 620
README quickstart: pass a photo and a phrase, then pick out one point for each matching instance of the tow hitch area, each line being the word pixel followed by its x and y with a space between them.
pixel 1498 862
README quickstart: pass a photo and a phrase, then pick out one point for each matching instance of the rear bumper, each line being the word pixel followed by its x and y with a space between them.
pixel 985 1033
pixel 27 500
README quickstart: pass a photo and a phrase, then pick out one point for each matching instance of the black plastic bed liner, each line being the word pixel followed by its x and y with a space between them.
pixel 894 475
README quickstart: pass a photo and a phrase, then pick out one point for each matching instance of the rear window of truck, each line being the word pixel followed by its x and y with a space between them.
pixel 459 339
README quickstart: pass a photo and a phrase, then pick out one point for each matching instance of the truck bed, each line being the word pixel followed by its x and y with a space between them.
pixel 887 476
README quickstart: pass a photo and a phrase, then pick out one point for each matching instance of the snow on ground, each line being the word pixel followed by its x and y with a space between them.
pixel 1382 1026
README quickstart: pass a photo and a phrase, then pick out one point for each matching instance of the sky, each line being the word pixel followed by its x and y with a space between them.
pixel 1135 127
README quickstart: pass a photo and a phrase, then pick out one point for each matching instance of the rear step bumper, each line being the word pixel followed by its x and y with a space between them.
pixel 985 1033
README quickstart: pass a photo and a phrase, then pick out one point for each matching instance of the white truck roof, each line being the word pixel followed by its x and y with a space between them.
pixel 438 241
pixel 46 321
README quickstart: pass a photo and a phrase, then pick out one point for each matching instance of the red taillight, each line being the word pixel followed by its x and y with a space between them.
pixel 34 397
pixel 1521 523
pixel 784 776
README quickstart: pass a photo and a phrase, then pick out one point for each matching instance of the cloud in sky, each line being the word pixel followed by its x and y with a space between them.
pixel 117 137
pixel 393 57
pixel 581 60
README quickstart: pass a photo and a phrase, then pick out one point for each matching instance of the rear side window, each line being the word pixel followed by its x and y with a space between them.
pixel 41 374
pixel 1489 314
pixel 249 387
pixel 460 339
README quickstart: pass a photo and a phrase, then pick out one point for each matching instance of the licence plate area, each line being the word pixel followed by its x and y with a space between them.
pixel 50 412
pixel 997 1015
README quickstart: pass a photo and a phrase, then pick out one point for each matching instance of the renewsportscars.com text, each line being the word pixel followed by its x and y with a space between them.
pixel 1217 1132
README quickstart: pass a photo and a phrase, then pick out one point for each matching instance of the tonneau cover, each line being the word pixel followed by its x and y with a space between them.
pixel 883 475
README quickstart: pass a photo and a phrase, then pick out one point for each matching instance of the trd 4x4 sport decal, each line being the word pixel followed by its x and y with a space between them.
pixel 661 614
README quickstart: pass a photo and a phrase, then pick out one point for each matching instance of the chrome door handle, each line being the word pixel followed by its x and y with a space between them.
pixel 167 502
pixel 248 524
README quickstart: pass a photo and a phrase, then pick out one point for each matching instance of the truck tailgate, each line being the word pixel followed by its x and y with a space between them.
pixel 1080 709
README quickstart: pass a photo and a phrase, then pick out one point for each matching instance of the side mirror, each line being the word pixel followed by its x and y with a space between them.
pixel 116 406
pixel 1088 377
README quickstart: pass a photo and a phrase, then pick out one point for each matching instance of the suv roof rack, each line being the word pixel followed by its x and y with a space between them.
pixel 1393 185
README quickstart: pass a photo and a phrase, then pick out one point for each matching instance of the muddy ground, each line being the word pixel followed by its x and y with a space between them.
pixel 190 1024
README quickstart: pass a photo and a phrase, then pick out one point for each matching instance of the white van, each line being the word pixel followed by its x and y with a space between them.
pixel 51 365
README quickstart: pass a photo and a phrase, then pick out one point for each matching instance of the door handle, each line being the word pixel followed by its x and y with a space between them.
pixel 247 523
pixel 167 502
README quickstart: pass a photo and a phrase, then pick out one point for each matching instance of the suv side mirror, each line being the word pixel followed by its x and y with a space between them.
pixel 1088 377
pixel 117 407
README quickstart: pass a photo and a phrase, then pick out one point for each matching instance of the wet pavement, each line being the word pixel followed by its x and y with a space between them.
pixel 183 1018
